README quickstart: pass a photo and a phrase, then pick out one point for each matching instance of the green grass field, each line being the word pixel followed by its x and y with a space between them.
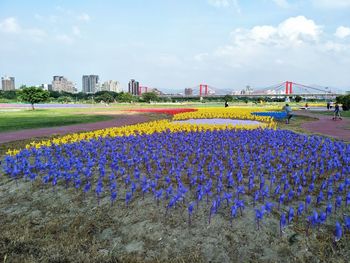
pixel 28 119
pixel 331 112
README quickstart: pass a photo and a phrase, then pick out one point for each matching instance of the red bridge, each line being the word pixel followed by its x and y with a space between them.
pixel 282 89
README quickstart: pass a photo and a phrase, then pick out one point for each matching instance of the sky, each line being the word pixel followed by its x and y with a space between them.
pixel 177 44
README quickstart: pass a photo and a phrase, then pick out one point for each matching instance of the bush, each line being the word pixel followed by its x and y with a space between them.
pixel 64 99
pixel 345 101
pixel 298 98
pixel 105 97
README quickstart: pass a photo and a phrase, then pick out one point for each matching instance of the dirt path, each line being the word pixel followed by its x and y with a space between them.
pixel 339 129
pixel 42 132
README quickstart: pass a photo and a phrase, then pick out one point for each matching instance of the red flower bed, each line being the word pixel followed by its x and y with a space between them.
pixel 165 110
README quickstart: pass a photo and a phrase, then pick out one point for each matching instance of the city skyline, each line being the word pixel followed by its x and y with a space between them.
pixel 172 45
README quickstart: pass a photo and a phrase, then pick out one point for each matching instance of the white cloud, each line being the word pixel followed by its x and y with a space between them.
pixel 295 49
pixel 282 3
pixel 299 29
pixel 36 34
pixel 219 3
pixel 83 17
pixel 333 47
pixel 342 32
pixel 331 3
pixel 225 3
pixel 65 39
pixel 201 56
pixel 76 31
pixel 10 25
pixel 169 60
pixel 38 17
pixel 292 31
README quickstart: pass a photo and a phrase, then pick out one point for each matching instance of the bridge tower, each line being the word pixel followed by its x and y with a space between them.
pixel 289 87
pixel 201 87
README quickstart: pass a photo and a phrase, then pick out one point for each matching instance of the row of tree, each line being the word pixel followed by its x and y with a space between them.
pixel 34 95
pixel 345 101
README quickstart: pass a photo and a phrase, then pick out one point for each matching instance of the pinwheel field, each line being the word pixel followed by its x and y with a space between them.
pixel 164 191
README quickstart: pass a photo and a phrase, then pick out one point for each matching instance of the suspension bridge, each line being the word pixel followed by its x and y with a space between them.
pixel 286 88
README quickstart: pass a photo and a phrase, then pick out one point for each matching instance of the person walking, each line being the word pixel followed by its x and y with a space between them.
pixel 336 112
pixel 289 112
pixel 328 105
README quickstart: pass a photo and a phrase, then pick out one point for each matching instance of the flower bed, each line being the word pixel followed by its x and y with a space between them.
pixel 164 110
pixel 278 115
pixel 165 125
pixel 272 173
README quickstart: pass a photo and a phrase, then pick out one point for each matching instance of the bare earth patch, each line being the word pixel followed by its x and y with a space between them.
pixel 39 224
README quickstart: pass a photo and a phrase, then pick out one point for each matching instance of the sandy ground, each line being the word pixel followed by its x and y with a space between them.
pixel 42 225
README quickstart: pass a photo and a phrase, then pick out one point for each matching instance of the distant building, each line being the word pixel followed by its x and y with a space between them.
pixel 143 89
pixel 60 83
pixel 156 91
pixel 133 87
pixel 46 87
pixel 111 85
pixel 8 83
pixel 90 83
pixel 188 92
pixel 247 91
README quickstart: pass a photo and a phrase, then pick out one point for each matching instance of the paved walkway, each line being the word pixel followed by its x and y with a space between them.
pixel 41 132
pixel 339 129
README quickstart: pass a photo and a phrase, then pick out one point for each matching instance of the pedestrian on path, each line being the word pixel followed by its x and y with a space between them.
pixel 289 112
pixel 328 105
pixel 336 112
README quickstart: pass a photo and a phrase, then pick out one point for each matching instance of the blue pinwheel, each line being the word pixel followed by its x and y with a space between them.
pixel 190 211
pixel 338 232
pixel 283 222
pixel 259 215
pixel 290 214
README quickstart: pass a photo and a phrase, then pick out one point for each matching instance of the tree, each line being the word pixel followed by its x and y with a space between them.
pixel 124 97
pixel 64 99
pixel 228 98
pixel 34 95
pixel 54 94
pixel 298 98
pixel 105 97
pixel 9 94
pixel 345 101
pixel 149 96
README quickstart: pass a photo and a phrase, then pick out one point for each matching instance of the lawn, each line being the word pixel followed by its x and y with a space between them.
pixel 331 112
pixel 295 124
pixel 27 119
pixel 176 196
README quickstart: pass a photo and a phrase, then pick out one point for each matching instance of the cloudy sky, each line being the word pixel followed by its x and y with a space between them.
pixel 173 44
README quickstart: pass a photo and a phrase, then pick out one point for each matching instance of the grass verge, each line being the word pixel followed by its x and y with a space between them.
pixel 345 114
pixel 28 119
pixel 295 124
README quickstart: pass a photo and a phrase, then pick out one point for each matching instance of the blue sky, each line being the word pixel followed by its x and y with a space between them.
pixel 173 44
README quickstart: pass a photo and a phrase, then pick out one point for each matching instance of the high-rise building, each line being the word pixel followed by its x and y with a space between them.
pixel 133 87
pixel 90 83
pixel 189 92
pixel 60 83
pixel 156 91
pixel 46 87
pixel 111 85
pixel 8 83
